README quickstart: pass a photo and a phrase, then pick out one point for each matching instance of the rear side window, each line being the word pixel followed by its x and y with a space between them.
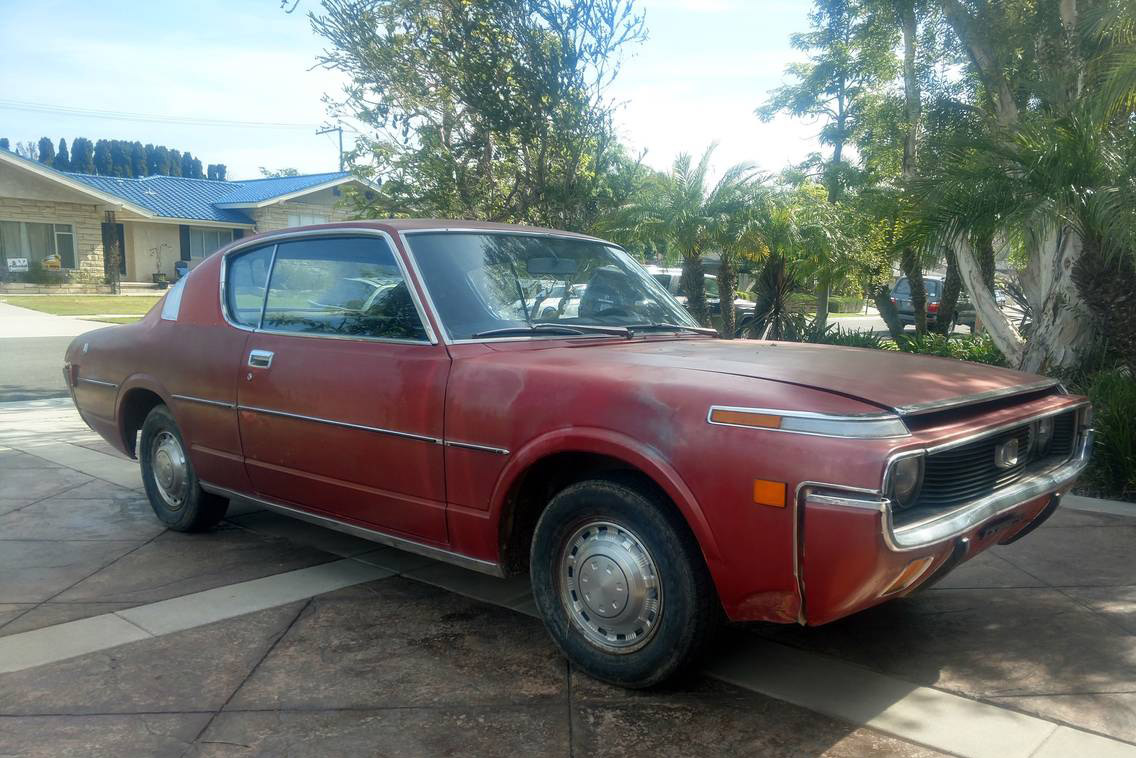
pixel 340 286
pixel 902 288
pixel 246 276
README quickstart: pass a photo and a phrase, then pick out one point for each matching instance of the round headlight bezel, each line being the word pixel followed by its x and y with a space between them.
pixel 905 480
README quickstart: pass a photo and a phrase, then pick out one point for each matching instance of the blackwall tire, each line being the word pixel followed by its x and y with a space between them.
pixel 621 584
pixel 169 478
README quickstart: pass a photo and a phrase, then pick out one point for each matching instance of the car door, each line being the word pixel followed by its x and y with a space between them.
pixel 341 392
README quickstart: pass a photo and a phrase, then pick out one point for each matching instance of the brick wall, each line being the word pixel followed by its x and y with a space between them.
pixel 275 216
pixel 86 221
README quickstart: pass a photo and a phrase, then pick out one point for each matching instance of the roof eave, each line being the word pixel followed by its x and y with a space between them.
pixel 58 177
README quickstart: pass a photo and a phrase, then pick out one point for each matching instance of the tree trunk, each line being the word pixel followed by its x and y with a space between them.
pixel 694 285
pixel 913 270
pixel 727 289
pixel 1061 330
pixel 823 290
pixel 881 295
pixel 1002 332
pixel 948 300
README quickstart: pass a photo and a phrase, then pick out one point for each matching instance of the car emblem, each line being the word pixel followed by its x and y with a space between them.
pixel 1006 454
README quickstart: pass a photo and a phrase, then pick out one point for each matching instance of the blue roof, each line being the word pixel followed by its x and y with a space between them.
pixel 192 199
pixel 258 190
pixel 170 196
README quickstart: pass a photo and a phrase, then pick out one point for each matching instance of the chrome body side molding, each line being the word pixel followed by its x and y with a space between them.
pixel 473 446
pixel 342 424
pixel 429 551
pixel 97 382
pixel 204 401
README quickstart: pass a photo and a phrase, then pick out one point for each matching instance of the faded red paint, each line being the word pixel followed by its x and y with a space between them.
pixel 643 402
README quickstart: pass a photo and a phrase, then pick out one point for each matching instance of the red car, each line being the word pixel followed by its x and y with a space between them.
pixel 397 380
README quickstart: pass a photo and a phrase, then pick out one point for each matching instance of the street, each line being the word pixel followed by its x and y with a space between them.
pixel 32 345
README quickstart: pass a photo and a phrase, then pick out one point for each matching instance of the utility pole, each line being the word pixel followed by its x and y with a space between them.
pixel 340 130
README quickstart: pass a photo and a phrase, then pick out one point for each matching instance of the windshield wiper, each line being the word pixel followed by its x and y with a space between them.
pixel 662 325
pixel 553 328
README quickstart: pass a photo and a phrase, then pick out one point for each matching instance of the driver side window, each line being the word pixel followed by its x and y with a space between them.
pixel 339 286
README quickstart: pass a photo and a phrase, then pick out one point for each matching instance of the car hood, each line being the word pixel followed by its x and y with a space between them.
pixel 901 382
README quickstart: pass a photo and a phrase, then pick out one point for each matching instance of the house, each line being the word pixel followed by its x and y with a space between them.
pixel 64 219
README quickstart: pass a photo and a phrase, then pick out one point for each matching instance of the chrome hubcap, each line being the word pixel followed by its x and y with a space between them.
pixel 171 471
pixel 610 587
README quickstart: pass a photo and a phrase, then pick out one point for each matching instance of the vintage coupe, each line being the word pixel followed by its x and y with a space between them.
pixel 649 477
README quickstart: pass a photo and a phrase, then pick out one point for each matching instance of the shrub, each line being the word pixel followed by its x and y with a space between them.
pixel 845 304
pixel 979 349
pixel 1112 471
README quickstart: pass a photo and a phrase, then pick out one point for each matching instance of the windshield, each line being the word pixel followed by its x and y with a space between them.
pixel 480 282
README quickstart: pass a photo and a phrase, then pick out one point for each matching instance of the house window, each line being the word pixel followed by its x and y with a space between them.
pixel 52 245
pixel 203 240
pixel 305 219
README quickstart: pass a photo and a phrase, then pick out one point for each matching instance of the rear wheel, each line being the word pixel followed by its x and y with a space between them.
pixel 621 584
pixel 170 481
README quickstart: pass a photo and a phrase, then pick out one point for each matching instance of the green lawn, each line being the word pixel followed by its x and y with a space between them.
pixel 84 305
pixel 119 319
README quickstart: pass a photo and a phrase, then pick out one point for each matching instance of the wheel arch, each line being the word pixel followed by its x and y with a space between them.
pixel 138 396
pixel 553 461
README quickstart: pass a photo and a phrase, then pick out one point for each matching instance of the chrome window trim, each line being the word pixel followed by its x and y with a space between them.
pixel 342 424
pixel 204 401
pixel 868 418
pixel 446 337
pixel 96 382
pixel 441 554
pixel 275 238
pixel 915 409
pixel 474 446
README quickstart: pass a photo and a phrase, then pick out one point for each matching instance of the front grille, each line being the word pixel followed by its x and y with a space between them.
pixel 967 472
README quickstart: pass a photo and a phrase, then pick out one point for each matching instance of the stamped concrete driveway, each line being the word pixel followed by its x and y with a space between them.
pixel 269 636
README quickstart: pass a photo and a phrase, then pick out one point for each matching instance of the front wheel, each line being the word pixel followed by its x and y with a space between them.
pixel 170 481
pixel 621 584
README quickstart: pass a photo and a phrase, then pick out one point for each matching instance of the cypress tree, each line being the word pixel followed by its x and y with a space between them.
pixel 82 156
pixel 137 159
pixel 103 165
pixel 46 151
pixel 162 160
pixel 120 158
pixel 62 158
pixel 175 163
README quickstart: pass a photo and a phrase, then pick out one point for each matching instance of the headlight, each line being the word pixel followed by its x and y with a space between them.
pixel 905 480
pixel 1043 434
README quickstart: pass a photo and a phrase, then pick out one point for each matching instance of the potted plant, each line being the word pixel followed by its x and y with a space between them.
pixel 160 278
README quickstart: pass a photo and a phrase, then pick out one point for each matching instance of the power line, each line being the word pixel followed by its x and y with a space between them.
pixel 22 105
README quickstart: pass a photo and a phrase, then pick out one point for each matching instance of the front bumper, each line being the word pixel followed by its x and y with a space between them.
pixel 852 556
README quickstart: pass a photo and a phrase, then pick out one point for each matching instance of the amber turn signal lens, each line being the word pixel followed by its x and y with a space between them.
pixel 910 573
pixel 745 418
pixel 766 492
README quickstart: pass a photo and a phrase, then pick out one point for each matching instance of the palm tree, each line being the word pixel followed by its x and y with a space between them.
pixel 687 214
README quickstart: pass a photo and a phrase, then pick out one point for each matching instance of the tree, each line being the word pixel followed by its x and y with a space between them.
pixel 278 172
pixel 62 160
pixel 175 163
pixel 137 159
pixel 494 110
pixel 46 151
pixel 216 171
pixel 120 159
pixel 82 156
pixel 187 166
pixel 850 56
pixel 102 159
pixel 689 214
pixel 195 171
pixel 161 161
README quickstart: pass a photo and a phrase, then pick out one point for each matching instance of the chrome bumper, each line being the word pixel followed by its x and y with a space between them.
pixel 952 524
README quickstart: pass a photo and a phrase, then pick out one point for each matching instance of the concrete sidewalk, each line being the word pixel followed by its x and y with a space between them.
pixel 24 322
pixel 270 635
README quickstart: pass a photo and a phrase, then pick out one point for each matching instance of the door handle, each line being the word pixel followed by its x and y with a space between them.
pixel 260 358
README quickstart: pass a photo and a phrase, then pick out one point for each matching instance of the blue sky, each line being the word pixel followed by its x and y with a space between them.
pixel 706 66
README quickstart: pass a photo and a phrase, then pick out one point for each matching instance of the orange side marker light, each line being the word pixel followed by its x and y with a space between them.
pixel 766 492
